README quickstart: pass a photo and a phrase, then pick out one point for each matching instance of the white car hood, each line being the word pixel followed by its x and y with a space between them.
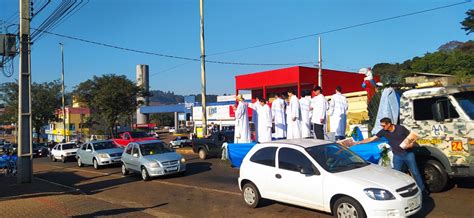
pixel 375 176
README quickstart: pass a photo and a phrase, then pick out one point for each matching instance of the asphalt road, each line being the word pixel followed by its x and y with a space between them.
pixel 209 188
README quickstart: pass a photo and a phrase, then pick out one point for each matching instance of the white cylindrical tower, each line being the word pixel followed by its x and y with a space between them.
pixel 142 81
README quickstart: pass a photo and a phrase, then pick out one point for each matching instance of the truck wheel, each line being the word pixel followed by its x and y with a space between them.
pixel 202 154
pixel 53 159
pixel 435 176
pixel 63 159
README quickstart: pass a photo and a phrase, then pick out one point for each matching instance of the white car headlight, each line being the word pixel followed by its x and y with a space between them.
pixel 379 194
pixel 183 160
pixel 153 164
pixel 104 155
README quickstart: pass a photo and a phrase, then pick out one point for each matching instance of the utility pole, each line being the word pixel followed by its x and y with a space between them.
pixel 203 71
pixel 62 90
pixel 25 164
pixel 320 64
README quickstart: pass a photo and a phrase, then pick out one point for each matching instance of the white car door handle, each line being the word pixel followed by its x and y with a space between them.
pixel 278 176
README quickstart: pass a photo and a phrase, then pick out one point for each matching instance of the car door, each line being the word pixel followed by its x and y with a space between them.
pixel 296 187
pixel 81 151
pixel 263 171
pixel 55 151
pixel 134 162
pixel 88 154
pixel 215 144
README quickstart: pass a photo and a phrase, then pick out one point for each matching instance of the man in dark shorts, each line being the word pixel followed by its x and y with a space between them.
pixel 395 134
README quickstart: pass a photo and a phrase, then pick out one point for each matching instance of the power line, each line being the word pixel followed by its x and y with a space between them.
pixel 340 29
pixel 172 56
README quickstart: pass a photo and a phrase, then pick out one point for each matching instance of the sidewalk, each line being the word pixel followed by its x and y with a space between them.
pixel 44 199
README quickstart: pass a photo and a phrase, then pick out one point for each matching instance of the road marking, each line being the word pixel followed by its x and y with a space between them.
pixel 156 181
pixel 58 184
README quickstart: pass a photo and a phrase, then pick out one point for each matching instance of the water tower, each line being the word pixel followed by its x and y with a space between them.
pixel 143 81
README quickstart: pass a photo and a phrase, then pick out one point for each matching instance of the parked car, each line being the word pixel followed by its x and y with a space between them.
pixel 63 152
pixel 180 141
pixel 40 150
pixel 126 137
pixel 325 176
pixel 212 145
pixel 99 153
pixel 151 159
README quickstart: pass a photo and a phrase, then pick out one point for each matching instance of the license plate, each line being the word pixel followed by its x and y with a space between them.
pixel 413 203
pixel 172 168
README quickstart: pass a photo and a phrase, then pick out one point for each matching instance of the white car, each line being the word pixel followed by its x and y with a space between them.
pixel 63 151
pixel 325 176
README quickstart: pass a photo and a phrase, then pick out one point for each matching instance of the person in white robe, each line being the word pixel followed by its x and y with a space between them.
pixel 305 103
pixel 337 114
pixel 242 131
pixel 254 106
pixel 319 109
pixel 293 130
pixel 278 115
pixel 264 122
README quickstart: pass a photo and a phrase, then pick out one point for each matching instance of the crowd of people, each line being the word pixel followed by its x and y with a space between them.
pixel 290 117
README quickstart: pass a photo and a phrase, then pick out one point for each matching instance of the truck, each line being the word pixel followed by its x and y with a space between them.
pixel 212 145
pixel 443 119
pixel 127 137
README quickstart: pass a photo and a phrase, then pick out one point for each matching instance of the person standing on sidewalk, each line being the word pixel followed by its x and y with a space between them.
pixel 278 115
pixel 293 116
pixel 319 107
pixel 337 112
pixel 395 134
pixel 305 103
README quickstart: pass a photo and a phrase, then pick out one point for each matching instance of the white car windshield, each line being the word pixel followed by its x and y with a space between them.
pixel 335 158
pixel 154 148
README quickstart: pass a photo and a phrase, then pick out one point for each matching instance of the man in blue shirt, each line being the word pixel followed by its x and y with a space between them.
pixel 395 134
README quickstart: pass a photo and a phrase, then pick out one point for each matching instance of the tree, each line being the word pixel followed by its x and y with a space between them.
pixel 468 22
pixel 111 98
pixel 45 99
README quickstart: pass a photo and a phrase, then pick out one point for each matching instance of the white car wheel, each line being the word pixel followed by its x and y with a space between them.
pixel 251 195
pixel 79 163
pixel 124 170
pixel 96 164
pixel 348 207
pixel 145 175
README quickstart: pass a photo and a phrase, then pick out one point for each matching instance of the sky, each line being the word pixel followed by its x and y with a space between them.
pixel 172 27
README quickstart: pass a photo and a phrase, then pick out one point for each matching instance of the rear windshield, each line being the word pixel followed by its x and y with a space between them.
pixel 138 134
pixel 69 146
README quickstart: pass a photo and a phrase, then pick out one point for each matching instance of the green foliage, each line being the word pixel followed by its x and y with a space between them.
pixel 165 97
pixel 468 22
pixel 45 99
pixel 453 58
pixel 163 119
pixel 111 98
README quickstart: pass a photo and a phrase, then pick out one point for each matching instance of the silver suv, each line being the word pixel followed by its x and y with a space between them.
pixel 151 159
pixel 99 153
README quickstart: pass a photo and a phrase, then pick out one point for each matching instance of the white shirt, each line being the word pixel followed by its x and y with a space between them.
pixel 319 107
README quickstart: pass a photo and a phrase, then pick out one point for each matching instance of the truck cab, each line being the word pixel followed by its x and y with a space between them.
pixel 443 118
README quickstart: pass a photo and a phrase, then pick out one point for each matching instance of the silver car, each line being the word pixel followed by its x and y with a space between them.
pixel 99 153
pixel 151 159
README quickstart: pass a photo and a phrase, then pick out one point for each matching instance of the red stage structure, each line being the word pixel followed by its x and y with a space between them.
pixel 267 83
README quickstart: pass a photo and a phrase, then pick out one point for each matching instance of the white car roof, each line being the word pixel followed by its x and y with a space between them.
pixel 305 143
